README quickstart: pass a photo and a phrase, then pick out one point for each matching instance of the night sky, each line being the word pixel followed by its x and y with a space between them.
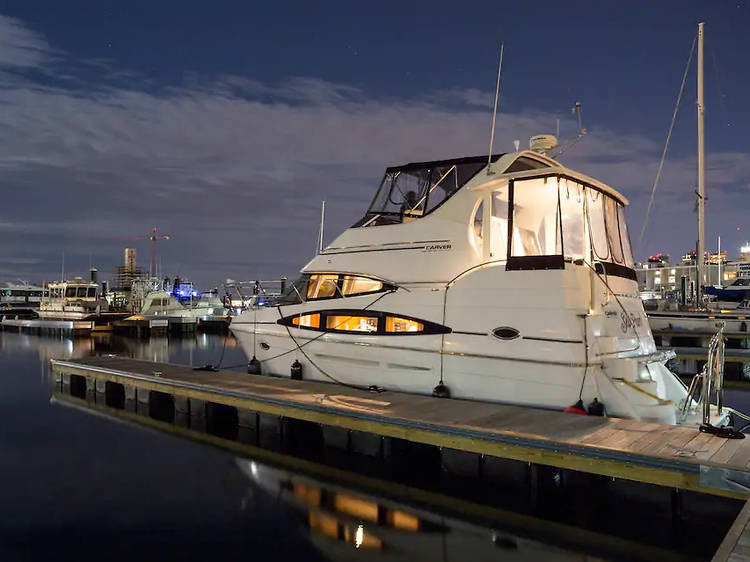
pixel 225 124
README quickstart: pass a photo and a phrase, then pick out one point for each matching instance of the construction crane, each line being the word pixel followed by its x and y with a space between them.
pixel 154 237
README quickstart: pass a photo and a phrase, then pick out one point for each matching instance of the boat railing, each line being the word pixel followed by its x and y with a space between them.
pixel 255 293
pixel 709 382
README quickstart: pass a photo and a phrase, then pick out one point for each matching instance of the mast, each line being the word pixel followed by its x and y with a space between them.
pixel 319 249
pixel 700 261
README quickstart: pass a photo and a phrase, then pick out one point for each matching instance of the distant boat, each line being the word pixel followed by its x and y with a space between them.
pixel 738 291
pixel 160 303
pixel 72 300
pixel 19 299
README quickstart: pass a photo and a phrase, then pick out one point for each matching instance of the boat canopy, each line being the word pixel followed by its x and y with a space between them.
pixel 416 189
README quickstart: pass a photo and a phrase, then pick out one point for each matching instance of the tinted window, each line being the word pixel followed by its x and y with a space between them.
pixel 307 321
pixel 322 286
pixel 352 285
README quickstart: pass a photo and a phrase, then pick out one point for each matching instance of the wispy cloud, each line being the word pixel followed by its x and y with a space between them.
pixel 235 169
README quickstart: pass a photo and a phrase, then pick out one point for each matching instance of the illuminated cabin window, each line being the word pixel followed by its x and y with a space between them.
pixel 352 285
pixel 322 286
pixel 363 321
pixel 333 285
pixel 395 324
pixel 307 321
pixel 352 323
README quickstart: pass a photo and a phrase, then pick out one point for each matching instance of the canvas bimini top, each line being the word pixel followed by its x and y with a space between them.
pixel 416 189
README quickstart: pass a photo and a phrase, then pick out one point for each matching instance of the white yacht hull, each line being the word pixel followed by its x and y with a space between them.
pixel 545 366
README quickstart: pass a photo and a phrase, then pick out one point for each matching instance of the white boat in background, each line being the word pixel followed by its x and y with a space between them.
pixel 74 299
pixel 19 297
pixel 160 303
pixel 511 282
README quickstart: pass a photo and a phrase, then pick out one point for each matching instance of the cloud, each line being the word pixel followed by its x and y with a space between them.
pixel 21 47
pixel 235 169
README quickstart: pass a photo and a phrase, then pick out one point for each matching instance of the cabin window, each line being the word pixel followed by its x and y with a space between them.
pixel 478 220
pixel 363 321
pixel 352 285
pixel 597 229
pixel 613 229
pixel 414 190
pixel 395 324
pixel 352 323
pixel 536 218
pixel 92 292
pixel 571 213
pixel 307 321
pixel 476 237
pixel 499 224
pixel 322 287
pixel 70 292
pixel 624 236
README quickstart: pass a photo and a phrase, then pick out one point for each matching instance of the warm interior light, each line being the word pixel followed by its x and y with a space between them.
pixel 359 536
pixel 352 323
pixel 395 324
pixel 307 320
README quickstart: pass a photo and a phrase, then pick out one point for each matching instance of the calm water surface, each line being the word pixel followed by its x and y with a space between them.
pixel 77 485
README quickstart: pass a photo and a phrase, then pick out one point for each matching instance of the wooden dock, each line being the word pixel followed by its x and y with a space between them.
pixel 671 456
pixel 39 325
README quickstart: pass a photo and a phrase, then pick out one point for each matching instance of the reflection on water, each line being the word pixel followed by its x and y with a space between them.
pixel 83 475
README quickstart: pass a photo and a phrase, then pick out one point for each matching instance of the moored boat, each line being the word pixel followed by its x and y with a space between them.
pixel 509 281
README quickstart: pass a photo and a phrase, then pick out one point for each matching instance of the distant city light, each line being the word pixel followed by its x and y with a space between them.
pixel 745 248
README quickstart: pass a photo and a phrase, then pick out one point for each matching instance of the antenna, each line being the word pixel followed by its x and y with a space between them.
pixel 63 266
pixel 572 141
pixel 322 224
pixel 494 110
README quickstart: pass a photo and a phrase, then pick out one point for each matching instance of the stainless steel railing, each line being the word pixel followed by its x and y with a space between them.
pixel 710 381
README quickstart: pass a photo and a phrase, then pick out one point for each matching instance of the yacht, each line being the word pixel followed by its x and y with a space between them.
pixel 19 297
pixel 506 279
pixel 164 303
pixel 736 292
pixel 75 299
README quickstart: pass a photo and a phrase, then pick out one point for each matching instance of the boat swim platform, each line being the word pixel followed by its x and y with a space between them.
pixel 665 455
pixel 522 524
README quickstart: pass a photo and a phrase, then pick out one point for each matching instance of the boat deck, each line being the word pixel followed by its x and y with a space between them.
pixel 673 456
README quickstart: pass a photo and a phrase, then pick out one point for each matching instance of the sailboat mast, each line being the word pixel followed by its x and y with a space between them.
pixel 700 261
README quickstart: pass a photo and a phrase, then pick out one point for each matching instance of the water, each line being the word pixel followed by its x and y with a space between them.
pixel 80 485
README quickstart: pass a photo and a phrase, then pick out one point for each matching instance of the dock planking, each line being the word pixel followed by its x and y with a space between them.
pixel 674 456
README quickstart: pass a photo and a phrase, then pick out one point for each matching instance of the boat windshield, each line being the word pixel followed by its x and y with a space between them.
pixel 414 190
